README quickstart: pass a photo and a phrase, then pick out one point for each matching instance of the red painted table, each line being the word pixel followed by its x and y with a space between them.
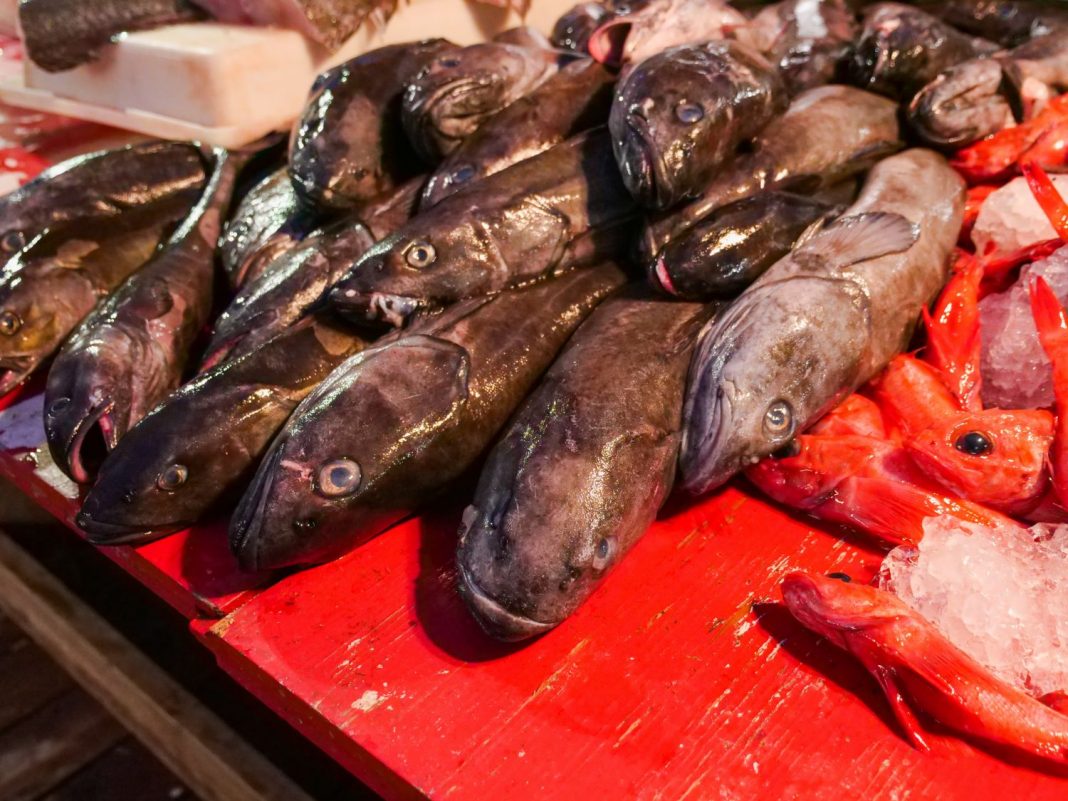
pixel 680 679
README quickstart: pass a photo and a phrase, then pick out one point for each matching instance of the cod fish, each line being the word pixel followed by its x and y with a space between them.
pixel 349 145
pixel 270 220
pixel 573 29
pixel 828 133
pixel 200 446
pixel 60 35
pixel 735 245
pixel 985 95
pixel 98 185
pixel 398 423
pixel 582 470
pixel 821 321
pixel 295 282
pixel 53 283
pixel 132 350
pixel 563 208
pixel 1007 22
pixel 577 98
pixel 681 114
pixel 460 89
pixel 902 48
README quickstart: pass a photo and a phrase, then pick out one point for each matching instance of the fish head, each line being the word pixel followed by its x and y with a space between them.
pixel 890 56
pixel 965 103
pixel 838 608
pixel 572 31
pixel 765 369
pixel 993 457
pixel 333 474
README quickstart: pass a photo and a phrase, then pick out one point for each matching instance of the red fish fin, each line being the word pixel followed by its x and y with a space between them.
pixel 1057 701
pixel 1050 320
pixel 1049 199
pixel 904 714
pixel 953 331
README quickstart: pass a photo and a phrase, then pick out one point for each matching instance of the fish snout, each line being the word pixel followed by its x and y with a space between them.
pixel 374 307
pixel 493 617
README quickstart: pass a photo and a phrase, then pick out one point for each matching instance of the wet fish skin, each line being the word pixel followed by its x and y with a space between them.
pixel 680 115
pixel 807 40
pixel 60 35
pixel 459 90
pixel 902 48
pixel 577 98
pixel 563 208
pixel 268 221
pixel 1007 22
pixel 828 134
pixel 132 350
pixel 822 320
pixel 96 186
pixel 349 145
pixel 394 426
pixel 212 432
pixel 582 469
pixel 573 29
pixel 723 254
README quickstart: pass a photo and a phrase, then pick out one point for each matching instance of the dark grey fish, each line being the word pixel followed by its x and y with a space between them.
pixel 902 48
pixel 200 447
pixel 563 208
pixel 577 98
pixel 821 321
pixel 806 39
pixel 349 145
pixel 459 90
pixel 735 245
pixel 1007 22
pixel 132 351
pixel 828 133
pixel 572 31
pixel 292 284
pixel 582 470
pixel 681 114
pixel 96 186
pixel 985 95
pixel 395 425
pixel 270 220
pixel 60 35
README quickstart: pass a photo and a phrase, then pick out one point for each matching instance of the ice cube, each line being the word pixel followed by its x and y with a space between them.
pixel 1011 218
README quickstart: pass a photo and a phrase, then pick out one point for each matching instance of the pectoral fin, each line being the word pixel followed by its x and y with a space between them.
pixel 862 237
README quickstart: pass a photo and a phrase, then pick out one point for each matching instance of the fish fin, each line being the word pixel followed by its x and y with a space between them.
pixel 861 237
pixel 815 228
pixel 887 679
pixel 1057 701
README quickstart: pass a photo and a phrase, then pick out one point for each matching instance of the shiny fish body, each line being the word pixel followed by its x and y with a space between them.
pixel 582 470
pixel 822 320
pixel 806 40
pixel 395 425
pixel 1007 22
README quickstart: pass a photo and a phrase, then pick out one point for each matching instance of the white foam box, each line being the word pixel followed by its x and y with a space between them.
pixel 229 85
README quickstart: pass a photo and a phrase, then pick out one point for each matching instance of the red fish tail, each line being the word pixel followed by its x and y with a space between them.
pixel 1049 199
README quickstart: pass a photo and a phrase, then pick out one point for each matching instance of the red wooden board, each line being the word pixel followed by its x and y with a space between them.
pixel 680 679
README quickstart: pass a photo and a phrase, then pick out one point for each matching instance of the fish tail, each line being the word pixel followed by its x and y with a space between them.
pixel 1049 199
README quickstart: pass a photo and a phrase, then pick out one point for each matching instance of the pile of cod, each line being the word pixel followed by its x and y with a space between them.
pixel 665 242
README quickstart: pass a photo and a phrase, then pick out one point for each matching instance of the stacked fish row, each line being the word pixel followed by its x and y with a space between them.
pixel 586 267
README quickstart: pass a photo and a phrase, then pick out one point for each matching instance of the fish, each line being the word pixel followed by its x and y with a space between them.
pixel 1007 22
pixel 349 144
pixel 735 245
pixel 573 29
pixel 200 447
pixel 459 90
pixel 985 95
pixel 807 40
pixel 902 48
pixel 394 426
pixel 268 221
pixel 329 22
pixel 59 35
pixel 577 98
pixel 582 469
pixel 296 281
pixel 132 350
pixel 827 134
pixel 51 285
pixel 918 668
pixel 97 185
pixel 563 208
pixel 821 321
pixel 679 116
pixel 524 36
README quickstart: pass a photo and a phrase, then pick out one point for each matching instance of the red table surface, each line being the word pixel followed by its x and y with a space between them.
pixel 682 678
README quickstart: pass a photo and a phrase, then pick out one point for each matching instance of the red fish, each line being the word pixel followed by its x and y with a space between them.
pixel 1052 327
pixel 998 157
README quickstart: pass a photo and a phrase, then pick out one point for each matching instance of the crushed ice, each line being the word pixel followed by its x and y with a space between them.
pixel 1011 219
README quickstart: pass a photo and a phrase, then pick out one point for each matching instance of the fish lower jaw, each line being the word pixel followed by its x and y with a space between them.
pixel 494 619
pixel 375 307
pixel 101 533
pixel 11 378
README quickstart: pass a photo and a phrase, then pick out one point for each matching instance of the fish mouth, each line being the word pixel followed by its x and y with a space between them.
pixel 607 43
pixel 951 113
pixel 99 532
pixel 375 307
pixel 494 619
pixel 82 462
pixel 701 472
pixel 645 173
pixel 454 103
pixel 13 371
pixel 660 277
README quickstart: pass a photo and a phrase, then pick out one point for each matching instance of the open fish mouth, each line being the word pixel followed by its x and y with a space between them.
pixel 13 371
pixel 645 173
pixel 81 464
pixel 457 102
pixel 494 619
pixel 375 307
pixel 608 42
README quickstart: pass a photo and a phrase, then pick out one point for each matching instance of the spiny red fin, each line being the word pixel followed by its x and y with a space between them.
pixel 904 714
pixel 1049 199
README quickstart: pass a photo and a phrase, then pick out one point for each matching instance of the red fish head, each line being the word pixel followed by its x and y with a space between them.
pixel 994 457
pixel 836 608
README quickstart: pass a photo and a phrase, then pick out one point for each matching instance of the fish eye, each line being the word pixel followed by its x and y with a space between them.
pixel 13 241
pixel 974 443
pixel 779 419
pixel 463 174
pixel 604 552
pixel 420 255
pixel 10 323
pixel 337 478
pixel 173 477
pixel 449 61
pixel 689 113
pixel 843 577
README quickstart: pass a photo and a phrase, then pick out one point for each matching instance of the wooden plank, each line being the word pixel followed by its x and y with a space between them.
pixel 30 678
pixel 127 771
pixel 45 748
pixel 188 738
